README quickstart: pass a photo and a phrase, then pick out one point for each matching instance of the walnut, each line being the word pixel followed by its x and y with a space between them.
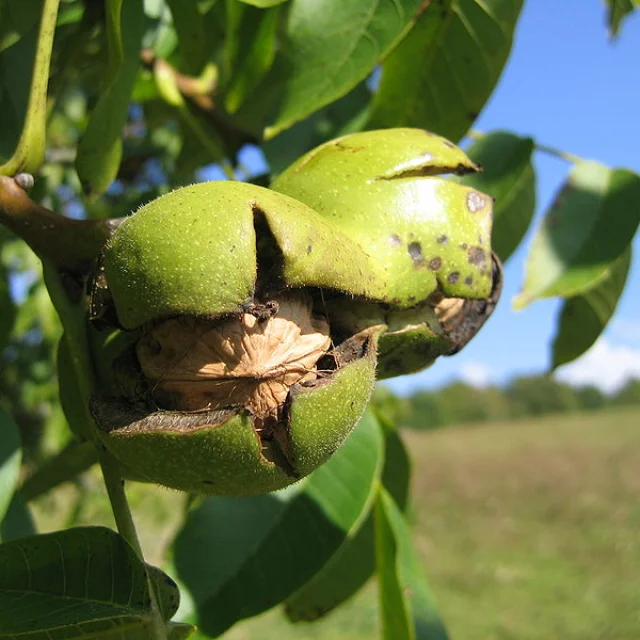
pixel 247 360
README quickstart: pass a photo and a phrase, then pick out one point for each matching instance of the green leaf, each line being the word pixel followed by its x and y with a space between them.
pixel 330 47
pixel 181 631
pixel 407 608
pixel 79 583
pixel 593 219
pixel 192 36
pixel 17 17
pixel 617 11
pixel 396 475
pixel 10 458
pixel 65 466
pixel 18 521
pixel 344 116
pixel 100 149
pixel 69 13
pixel 263 4
pixel 440 76
pixel 241 556
pixel 354 562
pixel 28 154
pixel 115 51
pixel 16 66
pixel 583 318
pixel 255 50
pixel 509 177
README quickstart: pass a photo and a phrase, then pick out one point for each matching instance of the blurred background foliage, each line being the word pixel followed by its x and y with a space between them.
pixel 522 397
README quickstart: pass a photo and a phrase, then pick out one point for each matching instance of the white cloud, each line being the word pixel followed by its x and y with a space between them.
pixel 475 374
pixel 605 365
pixel 626 330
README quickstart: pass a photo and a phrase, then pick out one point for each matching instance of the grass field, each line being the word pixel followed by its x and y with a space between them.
pixel 528 531
pixel 532 530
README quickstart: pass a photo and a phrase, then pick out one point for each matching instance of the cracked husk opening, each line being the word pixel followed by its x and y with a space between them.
pixel 249 360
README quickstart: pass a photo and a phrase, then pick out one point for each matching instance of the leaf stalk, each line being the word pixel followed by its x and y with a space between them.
pixel 552 151
pixel 29 153
pixel 126 527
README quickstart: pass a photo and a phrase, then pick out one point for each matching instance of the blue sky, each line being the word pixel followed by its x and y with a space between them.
pixel 566 85
pixel 569 86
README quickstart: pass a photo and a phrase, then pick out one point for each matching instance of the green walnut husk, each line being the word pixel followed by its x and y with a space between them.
pixel 432 236
pixel 235 329
pixel 195 251
pixel 219 452
pixel 223 376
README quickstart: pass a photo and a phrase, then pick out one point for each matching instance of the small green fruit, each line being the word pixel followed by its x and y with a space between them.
pixel 249 318
pixel 226 377
pixel 431 237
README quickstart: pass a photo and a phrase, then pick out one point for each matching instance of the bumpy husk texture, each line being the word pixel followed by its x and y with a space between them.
pixel 249 319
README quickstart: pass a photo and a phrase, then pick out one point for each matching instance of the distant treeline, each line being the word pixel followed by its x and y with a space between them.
pixel 529 396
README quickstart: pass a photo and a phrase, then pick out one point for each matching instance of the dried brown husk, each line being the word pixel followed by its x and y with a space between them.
pixel 461 319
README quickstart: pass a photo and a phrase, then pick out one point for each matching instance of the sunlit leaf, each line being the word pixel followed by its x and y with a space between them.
pixel 100 149
pixel 10 458
pixel 583 318
pixel 79 583
pixel 240 556
pixel 407 608
pixel 330 47
pixel 617 11
pixel 354 562
pixel 508 175
pixel 440 76
pixel 254 33
pixel 263 4
pixel 592 221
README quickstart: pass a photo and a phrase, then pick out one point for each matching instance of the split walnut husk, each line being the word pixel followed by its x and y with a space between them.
pixel 237 405
pixel 414 338
pixel 243 322
pixel 427 233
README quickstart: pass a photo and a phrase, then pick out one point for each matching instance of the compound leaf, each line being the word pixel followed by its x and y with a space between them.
pixel 331 46
pixel 440 76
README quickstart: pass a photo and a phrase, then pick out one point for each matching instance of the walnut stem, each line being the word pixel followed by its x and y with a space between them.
pixel 73 321
pixel 69 245
pixel 127 529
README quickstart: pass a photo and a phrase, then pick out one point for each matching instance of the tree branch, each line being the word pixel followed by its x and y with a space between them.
pixel 69 245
